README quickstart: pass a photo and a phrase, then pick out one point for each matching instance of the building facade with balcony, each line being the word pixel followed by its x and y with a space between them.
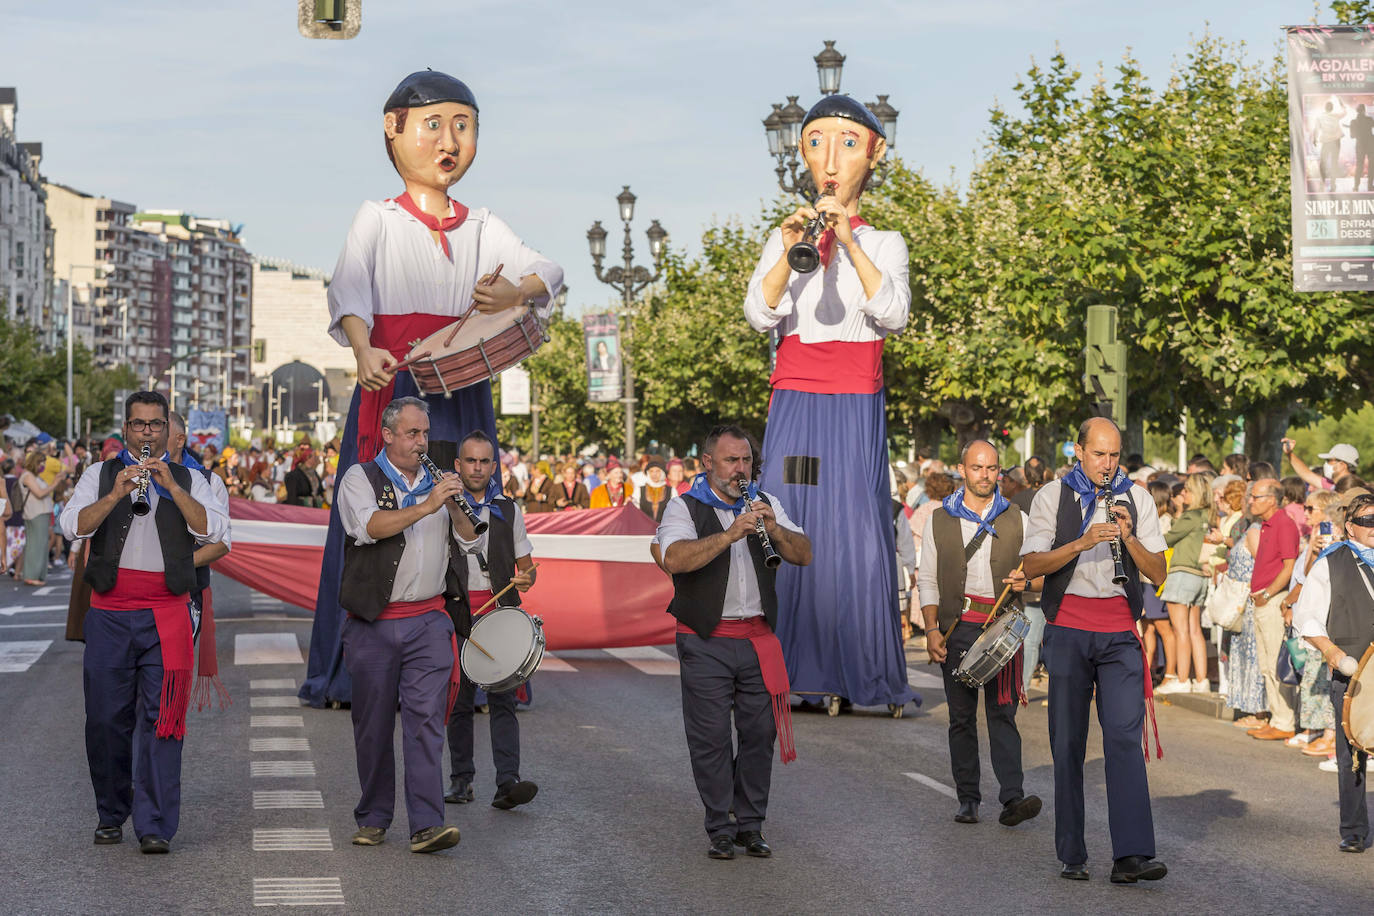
pixel 26 268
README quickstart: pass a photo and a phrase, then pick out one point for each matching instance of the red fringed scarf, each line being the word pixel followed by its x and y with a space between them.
pixel 1011 681
pixel 136 590
pixel 208 684
pixel 774 669
pixel 826 244
pixel 1150 723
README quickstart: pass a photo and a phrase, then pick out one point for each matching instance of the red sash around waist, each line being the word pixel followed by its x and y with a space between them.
pixel 972 616
pixel 392 333
pixel 399 610
pixel 829 367
pixel 773 668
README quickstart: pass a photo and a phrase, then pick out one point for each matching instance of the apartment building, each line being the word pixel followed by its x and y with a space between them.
pixel 26 268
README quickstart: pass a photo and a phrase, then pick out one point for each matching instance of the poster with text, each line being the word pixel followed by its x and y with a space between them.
pixel 1331 131
pixel 601 334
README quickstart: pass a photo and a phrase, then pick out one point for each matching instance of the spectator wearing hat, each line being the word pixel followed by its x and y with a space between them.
pixel 615 492
pixel 1340 461
pixel 677 476
pixel 539 493
pixel 654 495
pixel 569 493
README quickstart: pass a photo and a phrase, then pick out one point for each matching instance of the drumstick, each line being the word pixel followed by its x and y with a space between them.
pixel 992 615
pixel 502 592
pixel 405 363
pixel 458 326
pixel 480 649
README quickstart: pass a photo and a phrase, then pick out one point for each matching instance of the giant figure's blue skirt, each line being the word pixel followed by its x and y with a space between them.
pixel 838 618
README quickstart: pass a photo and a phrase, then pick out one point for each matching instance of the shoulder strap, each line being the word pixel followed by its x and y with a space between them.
pixel 974 543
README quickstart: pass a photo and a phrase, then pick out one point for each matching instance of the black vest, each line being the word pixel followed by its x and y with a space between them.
pixel 369 570
pixel 107 544
pixel 500 554
pixel 1069 521
pixel 1350 623
pixel 951 572
pixel 699 596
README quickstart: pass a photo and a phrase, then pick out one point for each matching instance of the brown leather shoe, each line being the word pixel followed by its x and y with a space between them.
pixel 1250 722
pixel 1269 733
pixel 1321 747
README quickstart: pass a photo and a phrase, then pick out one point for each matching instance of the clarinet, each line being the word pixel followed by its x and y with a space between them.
pixel 1118 560
pixel 140 498
pixel 771 558
pixel 478 525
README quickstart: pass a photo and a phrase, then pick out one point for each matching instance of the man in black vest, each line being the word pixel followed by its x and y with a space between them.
pixel 405 600
pixel 498 557
pixel 971 545
pixel 726 606
pixel 1335 613
pixel 1091 642
pixel 138 657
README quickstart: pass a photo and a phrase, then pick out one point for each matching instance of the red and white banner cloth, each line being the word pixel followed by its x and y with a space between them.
pixel 597 588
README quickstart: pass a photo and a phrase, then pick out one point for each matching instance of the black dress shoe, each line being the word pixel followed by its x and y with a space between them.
pixel 1074 872
pixel 1130 869
pixel 722 847
pixel 108 836
pixel 1023 809
pixel 459 792
pixel 1349 844
pixel 968 813
pixel 154 845
pixel 752 841
pixel 514 793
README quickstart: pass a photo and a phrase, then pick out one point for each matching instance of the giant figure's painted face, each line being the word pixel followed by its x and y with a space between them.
pixel 433 145
pixel 841 152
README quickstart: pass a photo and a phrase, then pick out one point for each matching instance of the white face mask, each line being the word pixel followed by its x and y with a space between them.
pixel 1327 470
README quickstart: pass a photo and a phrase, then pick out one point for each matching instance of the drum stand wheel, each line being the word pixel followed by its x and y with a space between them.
pixel 833 706
pixel 897 709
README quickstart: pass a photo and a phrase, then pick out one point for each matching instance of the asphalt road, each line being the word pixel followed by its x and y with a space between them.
pixel 861 823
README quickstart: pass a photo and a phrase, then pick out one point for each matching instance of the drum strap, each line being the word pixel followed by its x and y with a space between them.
pixel 974 543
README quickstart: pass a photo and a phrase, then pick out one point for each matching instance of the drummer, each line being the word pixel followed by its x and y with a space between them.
pixel 1335 613
pixel 1091 645
pixel 496 558
pixel 404 597
pixel 971 544
pixel 411 265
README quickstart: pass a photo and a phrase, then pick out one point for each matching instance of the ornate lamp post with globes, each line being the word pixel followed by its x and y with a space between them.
pixel 627 280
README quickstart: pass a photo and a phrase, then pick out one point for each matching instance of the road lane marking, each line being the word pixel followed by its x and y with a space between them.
pixel 17 657
pixel 267 649
pixel 28 626
pixel 13 609
pixel 266 768
pixel 551 662
pixel 278 744
pixel 272 683
pixel 45 590
pixel 917 678
pixel 276 722
pixel 933 784
pixel 264 799
pixel 292 839
pixel 648 660
pixel 297 892
pixel 280 702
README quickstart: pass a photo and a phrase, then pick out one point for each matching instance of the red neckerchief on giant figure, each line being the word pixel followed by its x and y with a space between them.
pixel 826 244
pixel 434 224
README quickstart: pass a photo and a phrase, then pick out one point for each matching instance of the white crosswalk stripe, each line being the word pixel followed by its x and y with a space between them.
pixel 932 783
pixel 297 892
pixel 278 744
pixel 918 678
pixel 276 722
pixel 287 702
pixel 17 657
pixel 266 768
pixel 551 662
pixel 287 798
pixel 292 839
pixel 267 649
pixel 272 683
pixel 648 660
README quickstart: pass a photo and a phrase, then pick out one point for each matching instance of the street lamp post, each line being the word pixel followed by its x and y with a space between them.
pixel 628 281
pixel 783 126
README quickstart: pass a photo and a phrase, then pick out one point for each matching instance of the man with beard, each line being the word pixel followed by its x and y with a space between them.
pixel 971 545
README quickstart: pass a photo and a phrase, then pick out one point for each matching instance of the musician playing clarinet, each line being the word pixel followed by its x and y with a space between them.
pixel 827 429
pixel 411 265
pixel 1091 535
pixel 496 558
pixel 971 547
pixel 726 603
pixel 404 596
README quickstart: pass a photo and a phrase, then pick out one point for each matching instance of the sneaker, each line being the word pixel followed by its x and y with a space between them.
pixel 369 836
pixel 433 839
pixel 1174 686
pixel 1328 765
pixel 1166 681
pixel 1301 739
pixel 1203 686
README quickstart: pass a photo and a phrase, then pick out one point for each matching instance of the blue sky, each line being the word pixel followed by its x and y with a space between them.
pixel 225 111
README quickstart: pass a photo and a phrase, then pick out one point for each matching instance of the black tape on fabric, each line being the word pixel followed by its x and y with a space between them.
pixel 801 469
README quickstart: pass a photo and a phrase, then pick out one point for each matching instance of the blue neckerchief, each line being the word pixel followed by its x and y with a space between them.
pixel 1364 554
pixel 1088 492
pixel 408 496
pixel 129 461
pixel 954 505
pixel 701 489
pixel 188 461
pixel 488 500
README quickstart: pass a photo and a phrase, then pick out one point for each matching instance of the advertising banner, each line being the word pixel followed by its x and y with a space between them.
pixel 601 333
pixel 515 391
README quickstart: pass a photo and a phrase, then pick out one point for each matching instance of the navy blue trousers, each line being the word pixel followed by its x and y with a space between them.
pixel 505 733
pixel 1078 661
pixel 405 662
pixel 1350 786
pixel 131 768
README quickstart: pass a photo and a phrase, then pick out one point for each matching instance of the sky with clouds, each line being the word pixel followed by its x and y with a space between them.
pixel 224 110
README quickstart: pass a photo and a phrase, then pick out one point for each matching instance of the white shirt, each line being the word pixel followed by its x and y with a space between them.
pixel 1313 607
pixel 978 579
pixel 1092 577
pixel 142 549
pixel 424 562
pixel 742 598
pixel 829 305
pixel 477 579
pixel 390 265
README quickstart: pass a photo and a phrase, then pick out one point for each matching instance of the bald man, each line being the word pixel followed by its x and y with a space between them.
pixel 1091 645
pixel 970 547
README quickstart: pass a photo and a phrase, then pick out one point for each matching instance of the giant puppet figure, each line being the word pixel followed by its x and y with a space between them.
pixel 825 449
pixel 412 265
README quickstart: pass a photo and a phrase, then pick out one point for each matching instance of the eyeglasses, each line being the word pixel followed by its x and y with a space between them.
pixel 139 426
pixel 1310 508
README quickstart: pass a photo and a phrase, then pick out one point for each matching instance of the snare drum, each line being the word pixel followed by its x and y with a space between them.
pixel 992 650
pixel 515 641
pixel 474 348
pixel 1357 713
